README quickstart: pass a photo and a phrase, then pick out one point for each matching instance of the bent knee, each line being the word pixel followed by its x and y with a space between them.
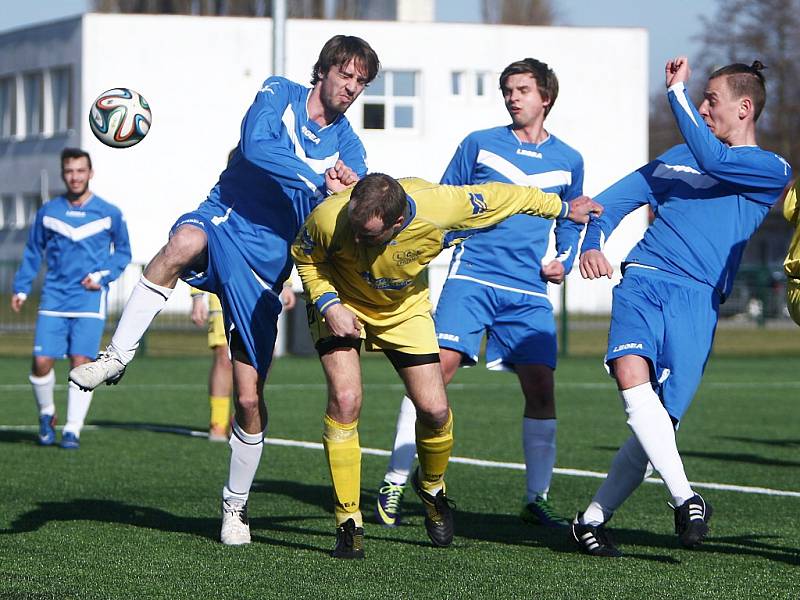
pixel 186 245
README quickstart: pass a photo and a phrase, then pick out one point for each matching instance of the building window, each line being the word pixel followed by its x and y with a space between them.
pixel 456 83
pixel 8 107
pixel 26 213
pixel 481 83
pixel 32 85
pixel 61 97
pixel 8 212
pixel 392 101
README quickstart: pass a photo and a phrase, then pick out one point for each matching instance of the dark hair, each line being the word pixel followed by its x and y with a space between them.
pixel 67 153
pixel 546 79
pixel 340 50
pixel 744 81
pixel 377 195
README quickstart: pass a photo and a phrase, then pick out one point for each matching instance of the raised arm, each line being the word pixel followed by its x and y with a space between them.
pixel 765 171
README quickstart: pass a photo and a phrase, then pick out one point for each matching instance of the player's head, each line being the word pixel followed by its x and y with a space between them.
pixel 76 170
pixel 346 64
pixel 530 89
pixel 734 98
pixel 377 209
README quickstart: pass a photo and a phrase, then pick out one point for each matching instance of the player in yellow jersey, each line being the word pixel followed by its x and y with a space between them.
pixel 362 256
pixel 206 308
pixel 791 210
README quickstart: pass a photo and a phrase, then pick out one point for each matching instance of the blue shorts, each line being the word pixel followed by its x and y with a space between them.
pixel 520 329
pixel 670 321
pixel 246 271
pixel 58 337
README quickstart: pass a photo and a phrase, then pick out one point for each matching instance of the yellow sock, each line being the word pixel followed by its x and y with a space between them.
pixel 220 411
pixel 434 447
pixel 344 460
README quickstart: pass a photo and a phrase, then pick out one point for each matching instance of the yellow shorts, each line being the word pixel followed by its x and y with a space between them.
pixel 216 324
pixel 415 335
pixel 793 298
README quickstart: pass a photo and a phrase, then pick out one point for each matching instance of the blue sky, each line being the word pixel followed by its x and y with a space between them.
pixel 672 24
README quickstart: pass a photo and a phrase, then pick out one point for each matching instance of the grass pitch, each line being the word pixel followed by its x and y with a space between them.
pixel 135 512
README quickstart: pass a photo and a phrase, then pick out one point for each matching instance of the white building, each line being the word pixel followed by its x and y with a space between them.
pixel 199 75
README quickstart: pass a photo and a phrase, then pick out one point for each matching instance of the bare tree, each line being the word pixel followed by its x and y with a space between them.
pixel 518 12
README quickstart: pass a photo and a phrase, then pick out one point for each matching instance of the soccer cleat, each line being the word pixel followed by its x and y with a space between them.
pixel 70 441
pixel 106 368
pixel 691 521
pixel 438 514
pixel 541 512
pixel 390 495
pixel 593 539
pixel 349 541
pixel 217 434
pixel 47 430
pixel 235 525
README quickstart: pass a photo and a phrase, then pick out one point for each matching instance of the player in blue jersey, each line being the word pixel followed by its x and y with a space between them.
pixel 709 195
pixel 296 145
pixel 84 243
pixel 498 279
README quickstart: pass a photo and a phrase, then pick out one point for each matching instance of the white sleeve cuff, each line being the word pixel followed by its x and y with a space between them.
pixel 676 87
pixel 21 295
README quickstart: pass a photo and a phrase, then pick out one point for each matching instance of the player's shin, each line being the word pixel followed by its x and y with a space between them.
pixel 434 446
pixel 43 392
pixel 405 447
pixel 628 470
pixel 144 304
pixel 246 450
pixel 652 426
pixel 343 452
pixel 78 402
pixel 539 445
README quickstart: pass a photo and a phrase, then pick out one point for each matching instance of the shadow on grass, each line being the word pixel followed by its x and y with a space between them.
pixel 112 511
pixel 765 442
pixel 154 427
pixel 18 437
pixel 737 457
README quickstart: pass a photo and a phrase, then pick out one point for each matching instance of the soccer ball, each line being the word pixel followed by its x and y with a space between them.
pixel 120 118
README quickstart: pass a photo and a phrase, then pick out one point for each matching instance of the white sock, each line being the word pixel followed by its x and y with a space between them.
pixel 145 302
pixel 628 470
pixel 405 444
pixel 539 446
pixel 43 392
pixel 652 426
pixel 77 406
pixel 246 449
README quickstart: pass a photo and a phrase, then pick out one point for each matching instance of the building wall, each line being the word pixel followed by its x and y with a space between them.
pixel 199 75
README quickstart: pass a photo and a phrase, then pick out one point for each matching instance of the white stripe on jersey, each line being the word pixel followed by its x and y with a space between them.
pixel 680 95
pixel 688 175
pixel 101 314
pixel 514 174
pixel 76 234
pixel 318 165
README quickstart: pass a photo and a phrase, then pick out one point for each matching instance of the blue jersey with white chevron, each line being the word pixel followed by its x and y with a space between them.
pixel 74 241
pixel 277 174
pixel 510 254
pixel 708 199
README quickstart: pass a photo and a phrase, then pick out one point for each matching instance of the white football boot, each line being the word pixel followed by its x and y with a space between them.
pixel 106 368
pixel 235 526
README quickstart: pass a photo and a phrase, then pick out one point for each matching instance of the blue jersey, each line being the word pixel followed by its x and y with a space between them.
pixel 277 174
pixel 510 254
pixel 74 241
pixel 708 199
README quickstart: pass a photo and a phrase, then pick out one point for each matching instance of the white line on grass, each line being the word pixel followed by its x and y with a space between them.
pixel 476 462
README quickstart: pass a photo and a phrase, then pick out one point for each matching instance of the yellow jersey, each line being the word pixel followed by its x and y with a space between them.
pixel 792 213
pixel 386 284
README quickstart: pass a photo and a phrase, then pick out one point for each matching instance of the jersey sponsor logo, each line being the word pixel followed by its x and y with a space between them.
pixel 307 243
pixel 478 203
pixel 403 257
pixel 75 213
pixel 450 337
pixel 530 153
pixel 385 283
pixel 309 134
pixel 268 87
pixel 630 346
